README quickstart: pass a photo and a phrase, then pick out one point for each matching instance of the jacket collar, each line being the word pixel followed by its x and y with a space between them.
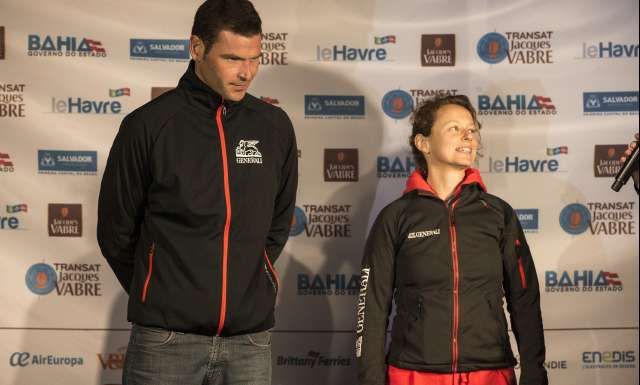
pixel 202 94
pixel 417 182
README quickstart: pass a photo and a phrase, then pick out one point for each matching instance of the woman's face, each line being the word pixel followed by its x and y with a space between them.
pixel 453 141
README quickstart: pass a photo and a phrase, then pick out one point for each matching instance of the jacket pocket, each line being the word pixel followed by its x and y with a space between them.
pixel 407 333
pixel 270 271
pixel 147 281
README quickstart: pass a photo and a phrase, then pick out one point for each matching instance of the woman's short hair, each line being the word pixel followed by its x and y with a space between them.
pixel 425 115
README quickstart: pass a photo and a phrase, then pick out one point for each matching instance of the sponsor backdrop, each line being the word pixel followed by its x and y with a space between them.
pixel 556 87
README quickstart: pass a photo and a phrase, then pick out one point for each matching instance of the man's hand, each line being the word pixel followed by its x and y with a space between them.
pixel 627 152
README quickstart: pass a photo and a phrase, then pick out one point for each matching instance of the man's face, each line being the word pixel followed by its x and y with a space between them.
pixel 230 65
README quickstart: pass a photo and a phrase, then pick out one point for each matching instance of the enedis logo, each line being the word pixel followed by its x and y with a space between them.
pixel 352 54
pixel 328 284
pixel 322 221
pixel 79 105
pixel 47 45
pixel 12 100
pixel 67 279
pixel 517 47
pixel 274 48
pixel 600 218
pixel 312 360
pixel 609 50
pixel 612 359
pixel 581 281
pixel 515 104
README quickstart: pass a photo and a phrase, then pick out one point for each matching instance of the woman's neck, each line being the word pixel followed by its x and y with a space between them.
pixel 444 180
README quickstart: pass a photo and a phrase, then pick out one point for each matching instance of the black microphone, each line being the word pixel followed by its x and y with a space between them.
pixel 626 170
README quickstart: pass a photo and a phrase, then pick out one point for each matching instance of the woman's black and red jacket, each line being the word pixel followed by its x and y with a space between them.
pixel 195 206
pixel 448 266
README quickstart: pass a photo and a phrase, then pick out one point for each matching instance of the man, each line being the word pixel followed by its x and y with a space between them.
pixel 195 206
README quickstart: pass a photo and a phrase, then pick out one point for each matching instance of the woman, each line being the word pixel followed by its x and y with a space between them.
pixel 448 253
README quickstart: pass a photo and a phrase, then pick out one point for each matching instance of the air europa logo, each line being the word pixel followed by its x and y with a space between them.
pixel 47 45
pixel 23 359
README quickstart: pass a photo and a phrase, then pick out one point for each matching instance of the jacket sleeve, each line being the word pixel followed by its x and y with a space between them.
pixel 523 302
pixel 122 198
pixel 285 202
pixel 374 300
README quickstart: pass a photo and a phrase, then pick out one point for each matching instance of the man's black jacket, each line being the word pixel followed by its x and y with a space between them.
pixel 195 206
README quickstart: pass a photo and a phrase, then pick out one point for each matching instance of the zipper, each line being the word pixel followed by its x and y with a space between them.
pixel 456 282
pixel 227 225
pixel 272 271
pixel 152 251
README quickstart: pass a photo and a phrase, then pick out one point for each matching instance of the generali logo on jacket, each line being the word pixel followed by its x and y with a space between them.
pixel 247 152
pixel 423 234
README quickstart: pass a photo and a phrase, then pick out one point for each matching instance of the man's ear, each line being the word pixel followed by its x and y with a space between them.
pixel 196 48
pixel 422 143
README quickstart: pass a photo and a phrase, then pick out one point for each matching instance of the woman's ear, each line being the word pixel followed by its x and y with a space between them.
pixel 422 143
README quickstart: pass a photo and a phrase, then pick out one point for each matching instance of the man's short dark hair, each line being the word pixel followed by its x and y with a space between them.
pixel 425 115
pixel 237 16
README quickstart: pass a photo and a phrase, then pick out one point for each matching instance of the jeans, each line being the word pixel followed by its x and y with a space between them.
pixel 162 357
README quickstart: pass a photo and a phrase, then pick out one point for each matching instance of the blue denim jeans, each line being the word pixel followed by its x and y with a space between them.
pixel 162 357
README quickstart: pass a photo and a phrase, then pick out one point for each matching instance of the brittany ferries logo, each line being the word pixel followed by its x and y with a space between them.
pixel 247 152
